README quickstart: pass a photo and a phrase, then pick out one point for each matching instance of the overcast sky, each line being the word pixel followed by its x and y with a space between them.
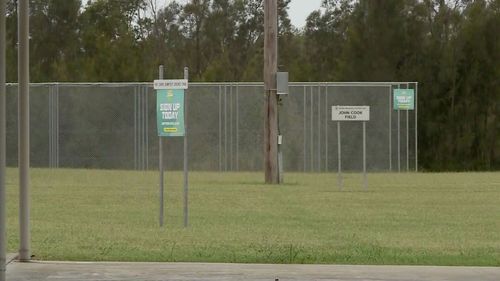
pixel 298 9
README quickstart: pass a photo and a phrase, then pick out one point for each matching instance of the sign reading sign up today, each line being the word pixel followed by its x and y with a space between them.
pixel 404 99
pixel 350 113
pixel 170 112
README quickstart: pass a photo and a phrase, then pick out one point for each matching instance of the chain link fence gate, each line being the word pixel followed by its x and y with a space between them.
pixel 113 126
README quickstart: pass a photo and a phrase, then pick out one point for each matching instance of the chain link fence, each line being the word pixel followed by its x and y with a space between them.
pixel 113 126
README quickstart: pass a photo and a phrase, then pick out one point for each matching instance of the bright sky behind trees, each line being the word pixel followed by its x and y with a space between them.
pixel 299 10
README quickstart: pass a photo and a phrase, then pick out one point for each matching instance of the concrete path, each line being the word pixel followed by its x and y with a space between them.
pixel 11 258
pixel 92 271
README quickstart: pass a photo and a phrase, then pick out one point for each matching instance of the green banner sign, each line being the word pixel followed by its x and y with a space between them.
pixel 170 113
pixel 404 99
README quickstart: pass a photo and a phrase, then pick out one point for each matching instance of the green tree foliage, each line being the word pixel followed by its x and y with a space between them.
pixel 452 48
pixel 51 52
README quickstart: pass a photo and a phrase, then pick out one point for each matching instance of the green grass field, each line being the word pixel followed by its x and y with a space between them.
pixel 425 219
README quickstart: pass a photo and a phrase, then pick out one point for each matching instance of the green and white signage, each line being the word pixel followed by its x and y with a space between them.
pixel 404 99
pixel 170 112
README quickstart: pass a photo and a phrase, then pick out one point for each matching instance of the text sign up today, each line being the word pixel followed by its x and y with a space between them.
pixel 350 113
pixel 170 112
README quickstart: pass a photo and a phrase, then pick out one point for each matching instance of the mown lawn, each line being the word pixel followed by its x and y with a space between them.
pixel 97 215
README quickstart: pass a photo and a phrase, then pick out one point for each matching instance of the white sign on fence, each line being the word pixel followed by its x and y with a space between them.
pixel 180 84
pixel 350 113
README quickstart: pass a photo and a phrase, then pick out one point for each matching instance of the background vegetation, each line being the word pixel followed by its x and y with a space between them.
pixel 452 48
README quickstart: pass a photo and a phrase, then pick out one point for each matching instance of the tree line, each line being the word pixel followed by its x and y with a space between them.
pixel 452 48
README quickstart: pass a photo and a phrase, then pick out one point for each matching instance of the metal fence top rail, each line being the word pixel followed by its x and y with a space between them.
pixel 239 84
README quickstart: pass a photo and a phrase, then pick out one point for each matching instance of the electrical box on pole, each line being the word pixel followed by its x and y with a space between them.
pixel 282 83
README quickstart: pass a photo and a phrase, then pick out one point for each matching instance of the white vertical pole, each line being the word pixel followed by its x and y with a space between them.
pixel 319 128
pixel 305 127
pixel 220 128
pixel 146 121
pixel 160 164
pixel 144 125
pixel 365 180
pixel 225 128
pixel 186 187
pixel 51 124
pixel 135 128
pixel 416 125
pixel 326 128
pixel 24 131
pixel 399 139
pixel 140 136
pixel 3 200
pixel 237 129
pixel 231 156
pixel 312 130
pixel 407 138
pixel 339 153
pixel 56 105
pixel 390 128
pixel 52 119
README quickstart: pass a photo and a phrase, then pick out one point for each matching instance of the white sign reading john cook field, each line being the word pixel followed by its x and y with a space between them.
pixel 350 113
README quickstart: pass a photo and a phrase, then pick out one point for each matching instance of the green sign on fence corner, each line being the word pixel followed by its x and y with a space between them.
pixel 170 112
pixel 404 99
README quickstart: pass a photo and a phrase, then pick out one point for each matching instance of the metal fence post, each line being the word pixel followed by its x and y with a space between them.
pixel 312 130
pixel 319 128
pixel 3 200
pixel 399 139
pixel 416 127
pixel 339 155
pixel 186 171
pixel 237 130
pixel 225 128
pixel 231 105
pixel 305 127
pixel 147 126
pixel 51 125
pixel 407 137
pixel 135 128
pixel 220 128
pixel 390 128
pixel 365 180
pixel 326 128
pixel 56 106
pixel 160 164
pixel 24 132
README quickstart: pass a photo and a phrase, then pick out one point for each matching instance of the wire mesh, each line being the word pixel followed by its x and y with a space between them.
pixel 113 126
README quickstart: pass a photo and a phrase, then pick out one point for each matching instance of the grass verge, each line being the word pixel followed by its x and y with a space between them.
pixel 424 219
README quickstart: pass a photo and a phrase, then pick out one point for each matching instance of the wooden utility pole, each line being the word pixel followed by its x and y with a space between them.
pixel 271 99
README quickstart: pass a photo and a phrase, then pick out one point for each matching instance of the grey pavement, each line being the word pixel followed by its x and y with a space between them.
pixel 97 271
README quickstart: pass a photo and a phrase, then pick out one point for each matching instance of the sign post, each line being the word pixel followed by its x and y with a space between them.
pixel 160 164
pixel 351 113
pixel 186 188
pixel 339 148
pixel 171 117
